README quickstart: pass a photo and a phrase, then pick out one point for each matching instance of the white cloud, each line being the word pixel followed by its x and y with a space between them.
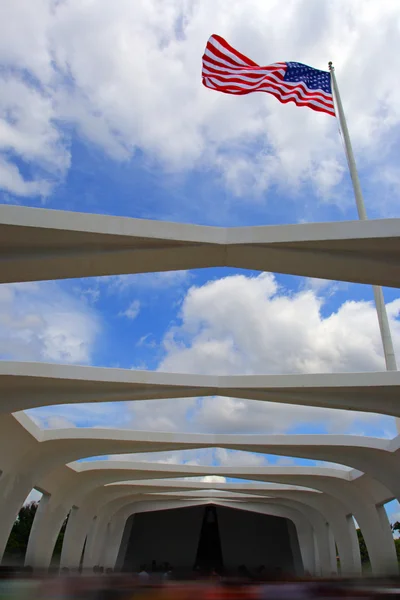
pixel 209 479
pixel 230 415
pixel 94 414
pixel 206 456
pixel 127 77
pixel 43 322
pixel 177 457
pixel 236 458
pixel 145 281
pixel 28 130
pixel 12 181
pixel 248 325
pixel 57 422
pixel 161 415
pixel 132 311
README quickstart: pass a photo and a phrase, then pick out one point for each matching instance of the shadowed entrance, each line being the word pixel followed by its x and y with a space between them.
pixel 209 553
pixel 211 537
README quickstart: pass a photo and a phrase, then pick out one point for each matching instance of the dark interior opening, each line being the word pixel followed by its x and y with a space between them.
pixel 211 537
pixel 209 552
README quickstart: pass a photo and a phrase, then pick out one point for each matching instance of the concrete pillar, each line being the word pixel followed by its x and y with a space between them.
pixel 103 544
pixel 321 539
pixel 383 518
pixel 334 512
pixel 125 536
pixel 44 536
pixel 332 550
pixel 13 491
pixel 360 504
pixel 343 533
pixel 378 539
pixel 117 526
pixel 306 541
pixel 35 532
pixel 93 557
pixel 295 547
pixel 90 544
pixel 73 533
pixel 354 545
pixel 323 559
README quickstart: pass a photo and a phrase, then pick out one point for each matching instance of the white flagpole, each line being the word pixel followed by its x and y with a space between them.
pixel 390 357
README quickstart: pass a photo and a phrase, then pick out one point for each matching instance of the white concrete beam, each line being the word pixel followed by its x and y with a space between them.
pixel 29 385
pixel 38 244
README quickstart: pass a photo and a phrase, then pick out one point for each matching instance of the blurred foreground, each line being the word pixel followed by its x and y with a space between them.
pixel 24 585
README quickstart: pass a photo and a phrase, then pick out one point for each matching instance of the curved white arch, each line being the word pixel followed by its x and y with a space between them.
pixel 380 458
pixel 41 244
pixel 29 385
pixel 332 510
pixel 125 505
pixel 333 482
pixel 46 449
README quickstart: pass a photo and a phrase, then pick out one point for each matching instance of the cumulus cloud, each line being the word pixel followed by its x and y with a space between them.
pixel 205 479
pixel 43 322
pixel 162 415
pixel 127 77
pixel 248 325
pixel 132 311
pixel 207 457
pixel 13 182
pixel 95 414
pixel 178 457
pixel 145 281
pixel 28 131
pixel 243 324
pixel 54 422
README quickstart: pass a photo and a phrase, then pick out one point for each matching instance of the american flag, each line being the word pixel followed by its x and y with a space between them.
pixel 227 70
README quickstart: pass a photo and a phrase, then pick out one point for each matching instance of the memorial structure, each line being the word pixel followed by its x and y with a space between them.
pixel 312 508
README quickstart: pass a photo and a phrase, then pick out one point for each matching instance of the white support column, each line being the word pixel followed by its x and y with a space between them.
pixel 332 550
pixel 361 505
pixel 14 491
pixel 35 533
pixel 43 538
pixel 71 540
pixel 104 544
pixel 354 545
pixel 117 526
pixel 126 531
pixel 319 525
pixel 335 513
pixel 89 547
pixel 378 539
pixel 99 534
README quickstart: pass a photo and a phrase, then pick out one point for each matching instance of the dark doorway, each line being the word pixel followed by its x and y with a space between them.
pixel 209 553
pixel 211 536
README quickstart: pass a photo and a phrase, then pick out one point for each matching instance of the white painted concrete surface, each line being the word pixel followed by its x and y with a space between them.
pixel 37 244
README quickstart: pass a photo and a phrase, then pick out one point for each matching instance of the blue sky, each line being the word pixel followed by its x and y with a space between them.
pixel 102 111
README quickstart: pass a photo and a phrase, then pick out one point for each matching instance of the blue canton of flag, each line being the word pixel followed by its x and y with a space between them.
pixel 313 78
